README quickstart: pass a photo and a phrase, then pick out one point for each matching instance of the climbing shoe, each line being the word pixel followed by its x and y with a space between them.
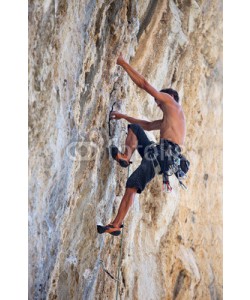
pixel 119 157
pixel 109 229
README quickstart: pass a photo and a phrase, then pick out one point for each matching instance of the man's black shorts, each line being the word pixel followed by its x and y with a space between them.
pixel 145 172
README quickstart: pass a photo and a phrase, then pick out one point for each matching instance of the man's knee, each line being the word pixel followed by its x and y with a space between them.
pixel 135 128
pixel 131 190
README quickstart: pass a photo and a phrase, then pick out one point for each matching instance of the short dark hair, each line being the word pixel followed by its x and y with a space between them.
pixel 172 93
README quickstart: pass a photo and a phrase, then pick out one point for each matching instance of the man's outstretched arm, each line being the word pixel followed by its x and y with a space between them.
pixel 146 125
pixel 141 82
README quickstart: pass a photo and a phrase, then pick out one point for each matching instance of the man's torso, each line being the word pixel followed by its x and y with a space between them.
pixel 173 126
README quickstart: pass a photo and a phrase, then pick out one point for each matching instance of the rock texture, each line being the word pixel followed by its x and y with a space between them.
pixel 172 243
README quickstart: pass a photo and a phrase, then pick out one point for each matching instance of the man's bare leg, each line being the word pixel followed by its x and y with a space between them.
pixel 126 202
pixel 130 143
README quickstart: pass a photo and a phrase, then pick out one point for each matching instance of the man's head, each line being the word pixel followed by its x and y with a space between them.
pixel 172 93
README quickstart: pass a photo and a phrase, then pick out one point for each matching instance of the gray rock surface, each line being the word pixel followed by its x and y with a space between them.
pixel 172 243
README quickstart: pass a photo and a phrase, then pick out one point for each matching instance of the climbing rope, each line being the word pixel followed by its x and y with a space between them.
pixel 117 278
pixel 120 259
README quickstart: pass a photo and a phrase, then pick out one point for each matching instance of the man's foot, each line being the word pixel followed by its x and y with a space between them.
pixel 109 229
pixel 122 159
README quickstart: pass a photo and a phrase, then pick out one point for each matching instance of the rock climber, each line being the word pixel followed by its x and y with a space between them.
pixel 172 128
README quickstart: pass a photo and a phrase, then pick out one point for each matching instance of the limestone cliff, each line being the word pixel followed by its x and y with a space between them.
pixel 172 243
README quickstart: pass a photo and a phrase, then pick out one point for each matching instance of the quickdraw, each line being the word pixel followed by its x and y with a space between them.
pixel 112 108
pixel 106 271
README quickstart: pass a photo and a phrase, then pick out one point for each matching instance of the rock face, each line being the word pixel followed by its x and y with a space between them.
pixel 171 246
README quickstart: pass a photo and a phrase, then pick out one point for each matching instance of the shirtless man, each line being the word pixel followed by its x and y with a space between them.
pixel 172 132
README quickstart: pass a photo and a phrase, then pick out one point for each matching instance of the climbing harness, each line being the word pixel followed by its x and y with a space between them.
pixel 152 154
pixel 174 163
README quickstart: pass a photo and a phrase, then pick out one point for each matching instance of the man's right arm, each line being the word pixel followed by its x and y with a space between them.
pixel 143 123
pixel 146 125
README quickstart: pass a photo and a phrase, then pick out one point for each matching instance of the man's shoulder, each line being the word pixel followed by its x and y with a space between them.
pixel 173 106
